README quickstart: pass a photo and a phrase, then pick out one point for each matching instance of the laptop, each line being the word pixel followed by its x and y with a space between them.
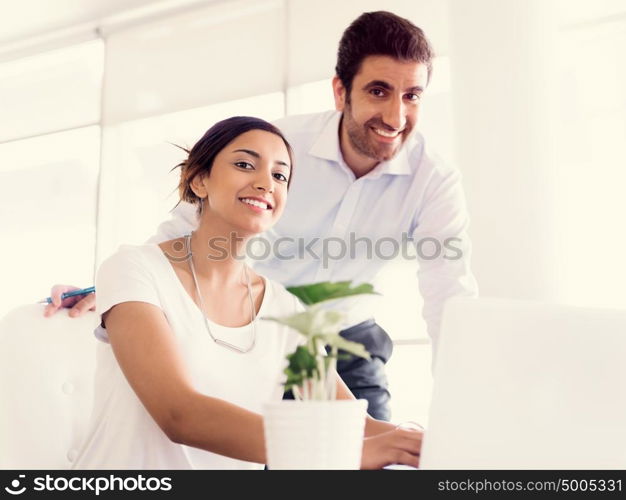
pixel 527 385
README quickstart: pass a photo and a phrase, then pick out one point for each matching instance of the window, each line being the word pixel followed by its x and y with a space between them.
pixel 55 90
pixel 48 186
pixel 49 163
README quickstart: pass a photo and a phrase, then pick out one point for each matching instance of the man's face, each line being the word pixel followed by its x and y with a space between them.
pixel 382 108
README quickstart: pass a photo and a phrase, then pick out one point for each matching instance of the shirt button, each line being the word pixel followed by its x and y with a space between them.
pixel 72 454
pixel 68 388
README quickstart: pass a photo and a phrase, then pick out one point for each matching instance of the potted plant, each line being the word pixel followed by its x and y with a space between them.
pixel 315 430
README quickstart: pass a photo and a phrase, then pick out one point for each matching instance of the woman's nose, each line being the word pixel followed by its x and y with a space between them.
pixel 264 182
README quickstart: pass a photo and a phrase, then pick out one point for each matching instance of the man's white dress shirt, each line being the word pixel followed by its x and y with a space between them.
pixel 336 227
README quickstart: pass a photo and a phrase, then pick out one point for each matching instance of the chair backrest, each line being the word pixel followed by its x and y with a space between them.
pixel 47 369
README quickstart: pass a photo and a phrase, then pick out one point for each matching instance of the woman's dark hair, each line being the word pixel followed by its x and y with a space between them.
pixel 380 33
pixel 201 156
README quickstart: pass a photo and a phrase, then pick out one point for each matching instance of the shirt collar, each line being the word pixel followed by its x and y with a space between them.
pixel 326 146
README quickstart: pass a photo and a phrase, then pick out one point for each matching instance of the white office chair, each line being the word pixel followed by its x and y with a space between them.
pixel 46 387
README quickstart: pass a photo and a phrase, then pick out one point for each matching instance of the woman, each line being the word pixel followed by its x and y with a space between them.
pixel 186 364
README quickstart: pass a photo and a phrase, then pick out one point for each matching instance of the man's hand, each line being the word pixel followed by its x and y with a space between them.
pixel 78 304
pixel 399 446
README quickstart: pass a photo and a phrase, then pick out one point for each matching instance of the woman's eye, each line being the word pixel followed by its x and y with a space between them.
pixel 244 164
pixel 280 177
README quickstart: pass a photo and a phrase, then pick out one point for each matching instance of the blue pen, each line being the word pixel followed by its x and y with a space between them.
pixel 82 291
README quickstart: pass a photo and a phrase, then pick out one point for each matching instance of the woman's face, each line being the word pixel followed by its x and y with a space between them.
pixel 247 186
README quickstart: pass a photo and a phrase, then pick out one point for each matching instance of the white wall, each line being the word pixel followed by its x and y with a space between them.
pixel 538 105
pixel 501 53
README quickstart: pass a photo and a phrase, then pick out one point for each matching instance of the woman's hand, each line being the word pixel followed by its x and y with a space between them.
pixel 399 446
pixel 79 304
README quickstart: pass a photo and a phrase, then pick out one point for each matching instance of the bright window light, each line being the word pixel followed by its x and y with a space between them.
pixel 53 91
pixel 48 189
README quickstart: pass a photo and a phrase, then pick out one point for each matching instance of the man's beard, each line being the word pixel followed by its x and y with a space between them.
pixel 361 141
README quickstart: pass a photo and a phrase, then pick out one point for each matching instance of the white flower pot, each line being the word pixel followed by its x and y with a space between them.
pixel 314 434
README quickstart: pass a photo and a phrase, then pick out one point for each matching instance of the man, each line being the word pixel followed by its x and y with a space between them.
pixel 363 177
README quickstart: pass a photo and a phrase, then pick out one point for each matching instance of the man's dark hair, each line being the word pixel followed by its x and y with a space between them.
pixel 380 33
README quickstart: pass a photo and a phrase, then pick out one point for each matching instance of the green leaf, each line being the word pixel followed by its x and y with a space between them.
pixel 302 366
pixel 302 361
pixel 326 290
pixel 293 379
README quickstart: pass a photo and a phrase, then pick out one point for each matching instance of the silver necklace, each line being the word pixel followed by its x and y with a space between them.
pixel 221 342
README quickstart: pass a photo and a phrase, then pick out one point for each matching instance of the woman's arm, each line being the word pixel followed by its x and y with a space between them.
pixel 146 350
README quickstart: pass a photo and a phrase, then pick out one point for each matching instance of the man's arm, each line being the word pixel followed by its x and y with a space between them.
pixel 79 304
pixel 443 249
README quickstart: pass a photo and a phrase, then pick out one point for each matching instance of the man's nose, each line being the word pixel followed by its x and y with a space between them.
pixel 395 114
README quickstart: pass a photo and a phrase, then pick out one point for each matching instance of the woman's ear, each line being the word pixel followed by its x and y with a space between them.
pixel 198 187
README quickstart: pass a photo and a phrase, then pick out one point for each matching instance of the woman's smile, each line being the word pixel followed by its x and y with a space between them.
pixel 258 205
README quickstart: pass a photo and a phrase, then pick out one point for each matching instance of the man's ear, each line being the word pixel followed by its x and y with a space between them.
pixel 339 92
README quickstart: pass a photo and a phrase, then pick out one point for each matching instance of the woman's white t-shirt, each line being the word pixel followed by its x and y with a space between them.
pixel 122 434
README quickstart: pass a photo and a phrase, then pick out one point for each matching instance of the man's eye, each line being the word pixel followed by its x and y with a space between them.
pixel 280 177
pixel 413 97
pixel 377 92
pixel 244 164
